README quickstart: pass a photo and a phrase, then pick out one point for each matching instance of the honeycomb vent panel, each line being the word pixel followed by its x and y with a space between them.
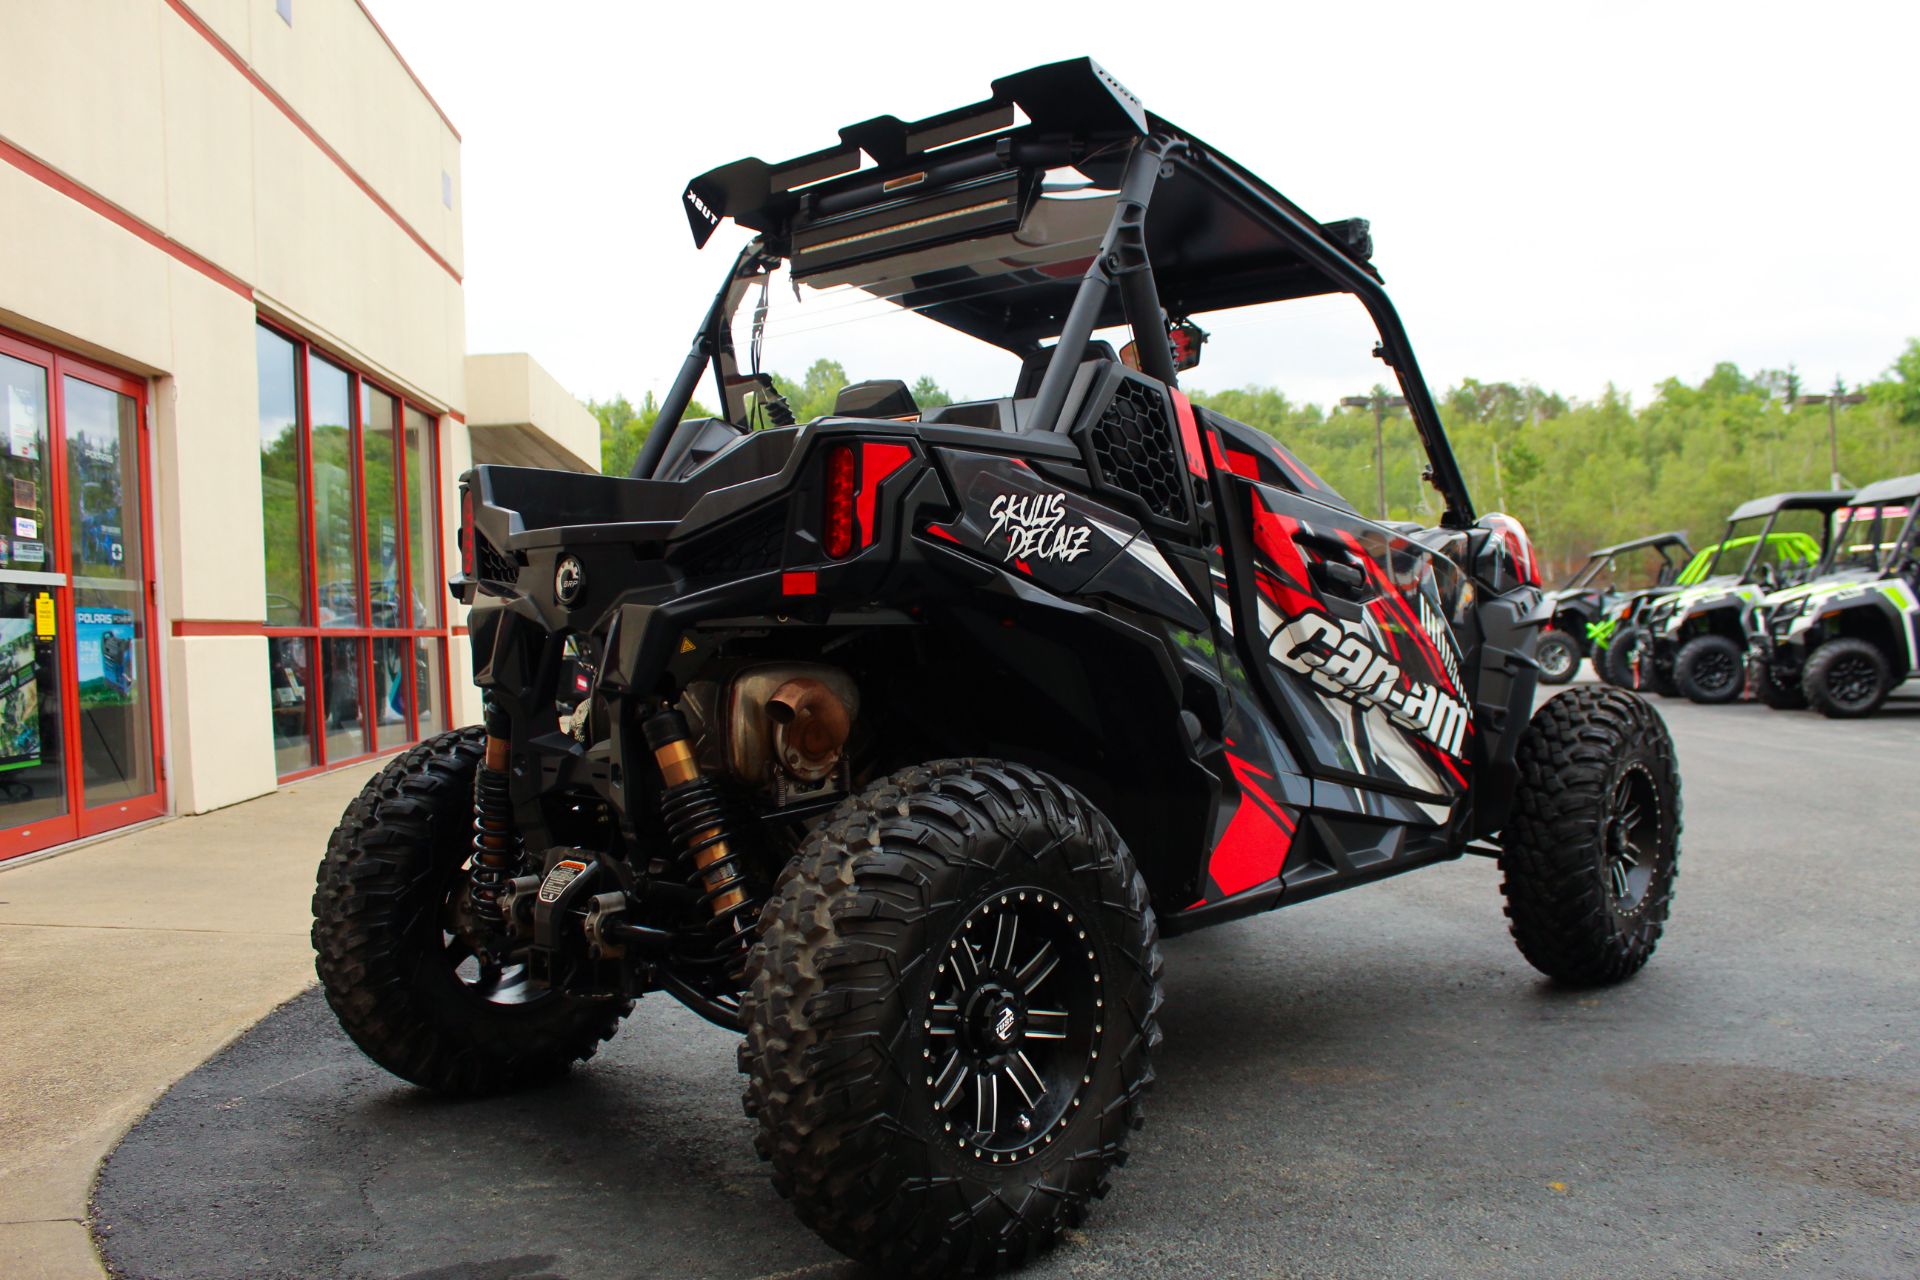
pixel 1133 450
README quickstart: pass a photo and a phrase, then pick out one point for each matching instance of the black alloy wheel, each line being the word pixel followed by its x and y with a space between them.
pixel 1013 1024
pixel 1847 678
pixel 1631 839
pixel 1708 669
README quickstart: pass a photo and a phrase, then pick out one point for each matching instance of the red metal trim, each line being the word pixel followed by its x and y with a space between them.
pixel 267 91
pixel 195 627
pixel 122 219
pixel 417 83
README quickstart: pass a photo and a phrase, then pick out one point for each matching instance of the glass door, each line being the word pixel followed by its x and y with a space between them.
pixel 79 730
pixel 34 792
pixel 106 552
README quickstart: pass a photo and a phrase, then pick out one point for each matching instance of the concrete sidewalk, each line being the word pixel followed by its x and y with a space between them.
pixel 123 965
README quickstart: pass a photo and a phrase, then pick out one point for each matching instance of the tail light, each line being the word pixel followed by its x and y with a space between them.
pixel 843 488
pixel 468 557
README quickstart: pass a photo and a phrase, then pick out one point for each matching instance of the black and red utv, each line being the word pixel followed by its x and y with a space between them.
pixel 897 739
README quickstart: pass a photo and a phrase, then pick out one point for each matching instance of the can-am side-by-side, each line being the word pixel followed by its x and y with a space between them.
pixel 896 740
pixel 1843 641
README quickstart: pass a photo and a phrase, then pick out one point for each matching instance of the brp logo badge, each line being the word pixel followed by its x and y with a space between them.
pixel 568 578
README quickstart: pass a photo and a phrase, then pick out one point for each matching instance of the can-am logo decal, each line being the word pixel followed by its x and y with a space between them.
pixel 1036 528
pixel 1338 658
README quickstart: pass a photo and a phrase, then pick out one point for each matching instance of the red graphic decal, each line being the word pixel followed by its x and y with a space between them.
pixel 877 462
pixel 1243 464
pixel 1397 604
pixel 1254 847
pixel 1299 473
pixel 939 532
pixel 1189 435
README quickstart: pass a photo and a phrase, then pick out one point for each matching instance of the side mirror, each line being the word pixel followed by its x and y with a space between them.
pixel 1184 337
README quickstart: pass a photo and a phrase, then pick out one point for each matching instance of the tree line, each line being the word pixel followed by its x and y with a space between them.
pixel 1577 473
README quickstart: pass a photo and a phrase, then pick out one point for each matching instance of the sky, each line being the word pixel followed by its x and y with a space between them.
pixel 1569 194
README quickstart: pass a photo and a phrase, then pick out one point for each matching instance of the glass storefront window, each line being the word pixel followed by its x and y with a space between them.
pixel 291 661
pixel 423 483
pixel 377 464
pixel 283 493
pixel 429 660
pixel 335 514
pixel 358 649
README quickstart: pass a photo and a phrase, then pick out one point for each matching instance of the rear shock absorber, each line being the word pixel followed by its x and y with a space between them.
pixel 696 819
pixel 496 841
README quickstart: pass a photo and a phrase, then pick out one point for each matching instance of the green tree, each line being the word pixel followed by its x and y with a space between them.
pixel 623 428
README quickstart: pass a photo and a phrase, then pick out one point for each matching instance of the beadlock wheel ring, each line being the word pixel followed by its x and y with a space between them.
pixel 1633 840
pixel 1012 1025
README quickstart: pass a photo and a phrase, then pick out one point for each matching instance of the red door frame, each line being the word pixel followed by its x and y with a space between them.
pixel 79 821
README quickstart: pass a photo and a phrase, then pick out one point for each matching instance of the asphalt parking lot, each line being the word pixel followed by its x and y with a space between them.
pixel 1373 1084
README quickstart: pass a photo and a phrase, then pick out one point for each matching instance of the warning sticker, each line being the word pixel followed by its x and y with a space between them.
pixel 562 875
pixel 43 616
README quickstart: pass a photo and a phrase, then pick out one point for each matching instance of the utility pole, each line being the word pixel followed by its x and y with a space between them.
pixel 1379 401
pixel 1833 400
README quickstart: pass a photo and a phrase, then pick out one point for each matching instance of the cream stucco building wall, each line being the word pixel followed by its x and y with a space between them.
pixel 175 169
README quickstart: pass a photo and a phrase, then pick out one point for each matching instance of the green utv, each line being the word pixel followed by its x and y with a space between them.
pixel 1695 639
pixel 1586 604
pixel 1843 641
pixel 1619 639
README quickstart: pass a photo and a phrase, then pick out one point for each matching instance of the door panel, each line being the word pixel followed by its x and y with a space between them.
pixel 110 610
pixel 1346 623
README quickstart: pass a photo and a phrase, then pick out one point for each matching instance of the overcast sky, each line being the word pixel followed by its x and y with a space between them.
pixel 1568 194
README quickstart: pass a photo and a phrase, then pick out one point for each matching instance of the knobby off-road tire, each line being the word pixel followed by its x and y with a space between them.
pixel 1592 850
pixel 408 992
pixel 1846 678
pixel 1775 691
pixel 858 1006
pixel 1617 664
pixel 1558 656
pixel 1709 670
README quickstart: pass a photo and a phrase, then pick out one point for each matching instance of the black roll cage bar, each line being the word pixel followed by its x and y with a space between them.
pixel 1121 264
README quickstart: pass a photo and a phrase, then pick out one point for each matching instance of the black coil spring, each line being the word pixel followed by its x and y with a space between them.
pixel 496 842
pixel 697 820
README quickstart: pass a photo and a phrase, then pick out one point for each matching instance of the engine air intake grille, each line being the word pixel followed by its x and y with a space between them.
pixel 1133 451
pixel 493 564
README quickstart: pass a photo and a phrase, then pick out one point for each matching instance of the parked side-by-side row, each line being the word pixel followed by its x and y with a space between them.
pixel 1808 599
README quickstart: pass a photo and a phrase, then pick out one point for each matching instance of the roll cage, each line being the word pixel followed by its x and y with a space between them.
pixel 1190 231
pixel 1598 558
pixel 1898 531
pixel 1796 546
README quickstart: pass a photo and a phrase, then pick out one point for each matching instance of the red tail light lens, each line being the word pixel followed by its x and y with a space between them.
pixel 843 485
pixel 467 559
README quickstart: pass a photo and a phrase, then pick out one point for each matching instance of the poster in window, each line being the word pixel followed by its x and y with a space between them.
pixel 105 662
pixel 23 426
pixel 19 694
